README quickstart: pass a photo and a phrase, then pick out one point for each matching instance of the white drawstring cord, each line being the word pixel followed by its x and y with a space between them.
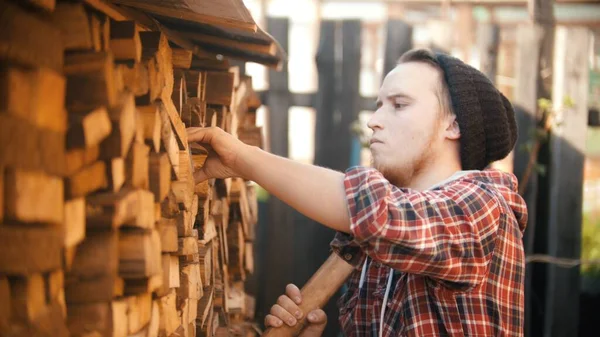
pixel 362 274
pixel 385 299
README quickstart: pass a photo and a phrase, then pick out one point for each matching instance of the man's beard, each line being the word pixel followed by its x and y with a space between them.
pixel 402 175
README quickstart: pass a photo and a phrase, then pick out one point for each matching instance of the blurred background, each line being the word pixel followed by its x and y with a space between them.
pixel 543 55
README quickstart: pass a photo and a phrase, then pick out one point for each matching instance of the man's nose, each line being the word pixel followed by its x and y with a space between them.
pixel 374 122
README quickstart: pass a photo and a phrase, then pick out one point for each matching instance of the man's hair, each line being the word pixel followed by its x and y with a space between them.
pixel 426 56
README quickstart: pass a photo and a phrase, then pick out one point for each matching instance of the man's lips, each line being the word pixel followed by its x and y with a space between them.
pixel 374 141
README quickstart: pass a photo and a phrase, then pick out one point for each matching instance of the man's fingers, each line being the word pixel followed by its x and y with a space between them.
pixel 271 320
pixel 200 135
pixel 289 306
pixel 279 312
pixel 294 293
pixel 317 316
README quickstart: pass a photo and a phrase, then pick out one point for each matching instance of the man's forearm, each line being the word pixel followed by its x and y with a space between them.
pixel 314 191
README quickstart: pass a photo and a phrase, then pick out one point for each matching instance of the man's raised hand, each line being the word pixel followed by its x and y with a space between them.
pixel 224 153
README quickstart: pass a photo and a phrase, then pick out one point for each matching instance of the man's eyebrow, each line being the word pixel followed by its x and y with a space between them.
pixel 399 95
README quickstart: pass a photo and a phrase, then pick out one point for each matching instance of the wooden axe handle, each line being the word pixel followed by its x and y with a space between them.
pixel 316 292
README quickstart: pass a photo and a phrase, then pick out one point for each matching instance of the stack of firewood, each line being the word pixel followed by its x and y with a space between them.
pixel 103 230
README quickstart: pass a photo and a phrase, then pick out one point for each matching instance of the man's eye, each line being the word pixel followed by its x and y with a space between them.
pixel 399 105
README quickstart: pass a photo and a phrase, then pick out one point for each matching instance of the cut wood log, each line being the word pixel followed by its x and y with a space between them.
pixel 122 117
pixel 170 274
pixel 178 126
pixel 98 319
pixel 125 41
pixel 86 181
pixel 190 282
pixel 145 211
pixel 110 210
pixel 89 129
pixel 251 135
pixel 136 166
pixel 137 286
pixel 205 260
pixel 169 320
pixel 75 26
pixel 169 141
pixel 76 159
pixel 74 222
pixel 188 246
pixel 90 81
pixel 28 39
pixel 168 235
pixel 195 81
pixel 185 223
pixel 179 95
pixel 35 95
pixel 27 298
pixel 5 305
pixel 160 175
pixel 150 119
pixel 219 88
pixel 182 58
pixel 33 197
pixel 169 206
pixel 139 254
pixel 97 255
pixel 135 78
pixel 99 288
pixel 115 174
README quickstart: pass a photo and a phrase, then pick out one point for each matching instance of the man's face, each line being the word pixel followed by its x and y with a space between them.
pixel 407 125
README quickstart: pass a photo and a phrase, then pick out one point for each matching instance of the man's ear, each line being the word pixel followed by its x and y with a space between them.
pixel 452 128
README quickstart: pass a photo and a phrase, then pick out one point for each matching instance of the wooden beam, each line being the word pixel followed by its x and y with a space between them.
pixel 160 175
pixel 488 41
pixel 74 223
pixel 90 81
pixel 88 129
pixel 125 41
pixel 122 116
pixel 398 41
pixel 104 318
pixel 74 23
pixel 167 229
pixel 139 254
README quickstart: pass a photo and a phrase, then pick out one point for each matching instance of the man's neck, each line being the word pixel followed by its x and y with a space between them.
pixel 434 175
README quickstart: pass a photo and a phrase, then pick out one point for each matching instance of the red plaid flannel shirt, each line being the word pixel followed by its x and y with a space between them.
pixel 456 251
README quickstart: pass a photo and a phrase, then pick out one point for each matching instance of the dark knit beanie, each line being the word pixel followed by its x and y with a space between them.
pixel 485 117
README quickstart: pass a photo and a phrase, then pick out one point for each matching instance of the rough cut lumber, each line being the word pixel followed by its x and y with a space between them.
pixel 5 305
pixel 179 94
pixel 144 217
pixel 208 232
pixel 75 26
pixel 97 255
pixel 87 180
pixel 156 46
pixel 190 282
pixel 170 274
pixel 125 41
pixel 139 254
pixel 169 320
pixel 122 117
pixel 150 119
pixel 182 58
pixel 135 78
pixel 185 223
pixel 205 259
pixel 139 310
pixel 154 321
pixel 178 126
pixel 36 95
pixel 111 210
pixel 168 235
pixel 195 81
pixel 28 39
pixel 76 159
pixel 33 197
pixel 99 288
pixel 19 143
pixel 205 305
pixel 90 81
pixel 169 207
pixel 74 222
pixel 188 246
pixel 98 319
pixel 88 129
pixel 136 166
pixel 28 298
pixel 169 142
pixel 115 173
pixel 160 175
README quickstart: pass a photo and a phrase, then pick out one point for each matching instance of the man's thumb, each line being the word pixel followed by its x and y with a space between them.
pixel 318 321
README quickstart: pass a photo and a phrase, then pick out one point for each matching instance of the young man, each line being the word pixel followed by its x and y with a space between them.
pixel 435 237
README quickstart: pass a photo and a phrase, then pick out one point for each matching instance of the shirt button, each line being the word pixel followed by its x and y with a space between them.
pixel 348 257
